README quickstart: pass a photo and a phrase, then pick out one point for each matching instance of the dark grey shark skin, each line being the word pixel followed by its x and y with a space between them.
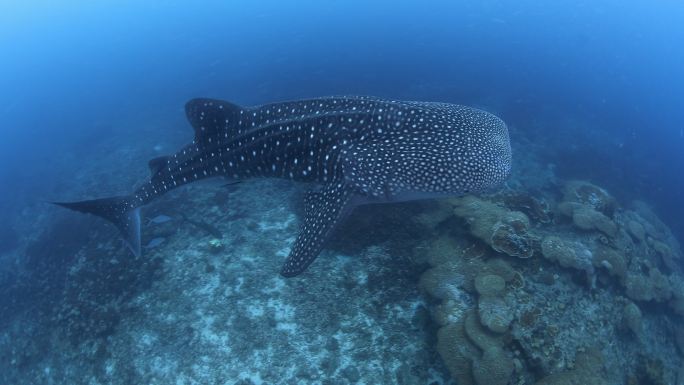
pixel 356 150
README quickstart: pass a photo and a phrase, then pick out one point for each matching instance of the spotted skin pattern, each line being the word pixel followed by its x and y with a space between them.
pixel 355 150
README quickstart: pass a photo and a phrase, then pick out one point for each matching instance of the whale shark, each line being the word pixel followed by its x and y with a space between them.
pixel 353 150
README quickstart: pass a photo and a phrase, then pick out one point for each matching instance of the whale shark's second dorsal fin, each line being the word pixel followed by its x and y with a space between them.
pixel 156 164
pixel 214 119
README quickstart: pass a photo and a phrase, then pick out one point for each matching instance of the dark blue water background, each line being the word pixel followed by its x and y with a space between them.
pixel 597 85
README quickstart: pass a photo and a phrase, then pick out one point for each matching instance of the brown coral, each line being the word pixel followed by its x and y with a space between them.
pixel 509 236
pixel 494 368
pixel 654 286
pixel 589 194
pixel 587 371
pixel 456 352
pixel 489 285
pixel 632 317
pixel 505 231
pixel 537 210
pixel 586 218
pixel 612 261
pixel 567 254
pixel 495 313
pixel 478 335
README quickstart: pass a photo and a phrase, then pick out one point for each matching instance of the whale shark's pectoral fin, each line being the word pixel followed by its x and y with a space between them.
pixel 324 209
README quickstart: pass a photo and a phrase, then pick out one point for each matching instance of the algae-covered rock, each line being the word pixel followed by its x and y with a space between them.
pixel 586 218
pixel 442 281
pixel 677 288
pixel 590 195
pixel 638 288
pixel 556 249
pixel 478 335
pixel 509 236
pixel 449 311
pixel 590 207
pixel 441 250
pixel 612 261
pixel 677 305
pixel 535 209
pixel 654 286
pixel 631 314
pixel 666 254
pixel 489 285
pixel 494 368
pixel 567 254
pixel 503 269
pixel 587 371
pixel 636 230
pixel 457 352
pixel 495 314
pixel 504 230
pixel 446 280
pixel 662 291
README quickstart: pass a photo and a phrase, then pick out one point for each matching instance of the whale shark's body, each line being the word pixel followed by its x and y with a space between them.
pixel 356 150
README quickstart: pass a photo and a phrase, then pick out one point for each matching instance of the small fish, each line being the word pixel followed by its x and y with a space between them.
pixel 159 219
pixel 354 150
pixel 155 242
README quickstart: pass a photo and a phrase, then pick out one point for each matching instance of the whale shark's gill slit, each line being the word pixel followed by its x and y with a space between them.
pixel 324 210
pixel 117 210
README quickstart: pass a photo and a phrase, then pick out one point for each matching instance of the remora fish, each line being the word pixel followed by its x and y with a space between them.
pixel 357 150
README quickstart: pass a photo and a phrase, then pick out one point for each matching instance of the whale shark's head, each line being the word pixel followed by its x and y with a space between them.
pixel 488 155
pixel 446 150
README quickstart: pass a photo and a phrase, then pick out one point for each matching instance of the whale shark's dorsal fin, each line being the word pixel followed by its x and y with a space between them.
pixel 323 210
pixel 214 118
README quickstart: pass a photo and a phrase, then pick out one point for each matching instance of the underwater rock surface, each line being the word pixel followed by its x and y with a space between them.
pixel 203 315
pixel 547 282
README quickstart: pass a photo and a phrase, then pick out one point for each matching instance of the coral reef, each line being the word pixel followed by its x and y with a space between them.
pixel 495 313
pixel 633 318
pixel 586 193
pixel 544 295
pixel 587 371
pixel 457 352
pixel 504 230
pixel 561 285
pixel 490 285
pixel 493 368
pixel 535 209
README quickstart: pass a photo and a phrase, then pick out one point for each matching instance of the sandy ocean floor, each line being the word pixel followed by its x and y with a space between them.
pixel 221 314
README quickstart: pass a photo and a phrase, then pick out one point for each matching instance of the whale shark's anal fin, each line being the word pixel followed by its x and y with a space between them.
pixel 118 210
pixel 324 209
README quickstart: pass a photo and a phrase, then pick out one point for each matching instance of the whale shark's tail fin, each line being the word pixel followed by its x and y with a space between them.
pixel 119 210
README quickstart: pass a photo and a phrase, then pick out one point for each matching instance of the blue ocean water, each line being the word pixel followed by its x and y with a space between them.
pixel 600 83
pixel 89 91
